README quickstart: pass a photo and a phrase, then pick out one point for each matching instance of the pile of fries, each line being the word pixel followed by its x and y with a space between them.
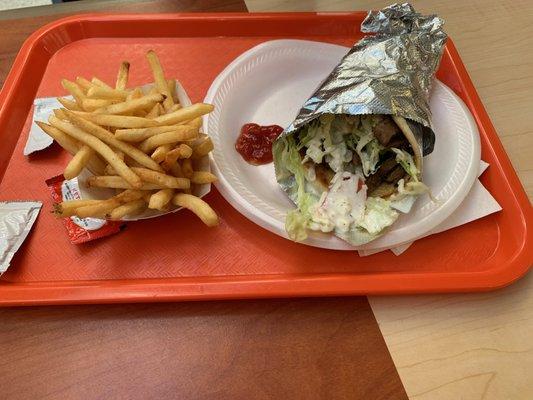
pixel 145 145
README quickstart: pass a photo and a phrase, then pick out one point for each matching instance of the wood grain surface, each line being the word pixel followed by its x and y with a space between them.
pixel 276 349
pixel 468 346
pixel 17 25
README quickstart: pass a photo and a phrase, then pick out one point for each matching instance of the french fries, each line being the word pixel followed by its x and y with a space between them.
pixel 74 90
pixel 69 104
pixel 160 199
pixel 110 139
pixel 140 134
pixel 138 143
pixel 197 206
pixel 117 182
pixel 180 134
pixel 130 208
pixel 100 92
pixel 184 114
pixel 163 180
pixel 131 105
pixel 95 164
pixel 122 77
pixel 201 177
pixel 203 148
pixel 159 79
pixel 101 148
pixel 117 121
pixel 161 152
pixel 78 162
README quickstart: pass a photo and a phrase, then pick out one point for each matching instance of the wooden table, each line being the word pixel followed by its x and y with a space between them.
pixel 444 347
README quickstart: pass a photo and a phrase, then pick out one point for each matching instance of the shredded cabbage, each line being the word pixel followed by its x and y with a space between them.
pixel 408 164
pixel 378 215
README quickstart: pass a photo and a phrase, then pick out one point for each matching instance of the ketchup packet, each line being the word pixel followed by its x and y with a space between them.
pixel 79 230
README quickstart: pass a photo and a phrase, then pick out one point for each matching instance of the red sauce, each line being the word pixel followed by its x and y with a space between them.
pixel 255 142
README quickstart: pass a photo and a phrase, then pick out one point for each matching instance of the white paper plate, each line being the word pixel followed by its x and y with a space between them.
pixel 269 83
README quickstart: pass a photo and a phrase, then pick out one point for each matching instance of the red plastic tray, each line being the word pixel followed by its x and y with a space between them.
pixel 175 257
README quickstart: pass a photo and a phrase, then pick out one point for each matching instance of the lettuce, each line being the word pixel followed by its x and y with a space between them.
pixel 378 215
pixel 408 164
pixel 291 174
pixel 368 149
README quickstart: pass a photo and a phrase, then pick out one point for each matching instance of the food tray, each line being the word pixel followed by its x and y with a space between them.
pixel 175 257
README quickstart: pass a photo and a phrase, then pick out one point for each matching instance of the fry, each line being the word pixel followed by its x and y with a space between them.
pixel 140 134
pixel 83 83
pixel 174 107
pixel 197 206
pixel 179 134
pixel 100 83
pixel 68 208
pixel 95 165
pixel 69 104
pixel 131 105
pixel 99 92
pixel 201 177
pixel 59 113
pixel 186 168
pixel 130 208
pixel 94 104
pixel 100 147
pixel 160 153
pixel 160 199
pixel 171 158
pixel 175 170
pixel 117 182
pixel 73 89
pixel 161 179
pixel 154 112
pixel 118 121
pixel 135 94
pixel 184 114
pixel 109 170
pixel 129 195
pixel 122 77
pixel 107 137
pixel 159 78
pixel 78 162
pixel 183 151
pixel 203 148
pixel 97 210
pixel 196 123
pixel 172 89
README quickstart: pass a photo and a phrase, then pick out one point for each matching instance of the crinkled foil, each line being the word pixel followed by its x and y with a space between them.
pixel 389 72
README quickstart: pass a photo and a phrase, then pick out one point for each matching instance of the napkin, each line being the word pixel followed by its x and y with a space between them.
pixel 477 204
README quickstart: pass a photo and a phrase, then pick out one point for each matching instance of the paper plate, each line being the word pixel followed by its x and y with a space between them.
pixel 269 83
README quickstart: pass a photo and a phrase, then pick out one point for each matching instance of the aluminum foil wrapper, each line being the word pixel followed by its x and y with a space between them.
pixel 389 72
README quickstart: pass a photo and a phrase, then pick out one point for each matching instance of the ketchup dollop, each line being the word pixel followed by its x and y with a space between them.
pixel 255 142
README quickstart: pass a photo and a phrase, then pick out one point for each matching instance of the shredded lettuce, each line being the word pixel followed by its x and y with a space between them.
pixel 368 149
pixel 407 162
pixel 378 215
pixel 289 165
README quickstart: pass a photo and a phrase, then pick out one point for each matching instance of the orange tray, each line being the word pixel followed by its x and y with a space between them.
pixel 175 257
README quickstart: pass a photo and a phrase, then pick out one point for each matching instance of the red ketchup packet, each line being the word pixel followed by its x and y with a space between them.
pixel 79 230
